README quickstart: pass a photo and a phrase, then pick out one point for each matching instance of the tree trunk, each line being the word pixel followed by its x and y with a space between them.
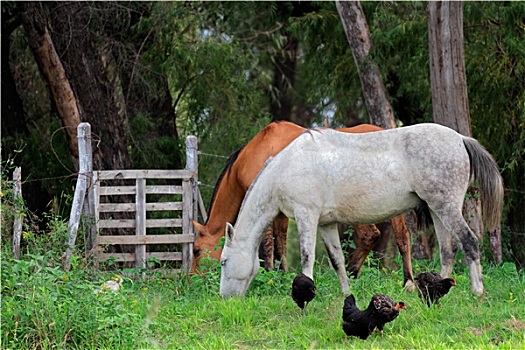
pixel 374 91
pixel 35 21
pixel 449 93
pixel 75 40
pixel 447 66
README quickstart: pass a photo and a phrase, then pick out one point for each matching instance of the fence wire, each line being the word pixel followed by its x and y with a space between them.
pixel 211 155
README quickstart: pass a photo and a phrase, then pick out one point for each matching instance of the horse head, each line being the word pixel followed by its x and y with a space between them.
pixel 205 245
pixel 240 264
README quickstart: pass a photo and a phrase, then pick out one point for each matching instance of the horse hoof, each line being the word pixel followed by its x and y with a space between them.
pixel 410 286
pixel 478 293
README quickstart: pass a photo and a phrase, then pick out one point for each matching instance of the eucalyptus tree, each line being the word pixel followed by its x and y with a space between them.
pixel 450 97
pixel 494 51
pixel 374 91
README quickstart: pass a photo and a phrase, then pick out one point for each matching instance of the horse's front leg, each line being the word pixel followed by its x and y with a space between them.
pixel 332 243
pixel 365 238
pixel 404 245
pixel 307 228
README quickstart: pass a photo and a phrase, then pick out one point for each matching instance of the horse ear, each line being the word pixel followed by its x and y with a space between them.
pixel 198 227
pixel 230 232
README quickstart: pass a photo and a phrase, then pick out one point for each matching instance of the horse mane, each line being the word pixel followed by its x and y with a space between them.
pixel 229 163
pixel 268 161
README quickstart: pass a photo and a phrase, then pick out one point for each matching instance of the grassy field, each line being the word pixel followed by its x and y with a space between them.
pixel 44 307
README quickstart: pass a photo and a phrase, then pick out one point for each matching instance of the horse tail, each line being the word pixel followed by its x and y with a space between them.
pixel 485 171
pixel 423 218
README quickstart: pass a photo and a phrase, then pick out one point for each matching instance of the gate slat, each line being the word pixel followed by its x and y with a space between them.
pixel 149 239
pixel 157 223
pixel 116 223
pixel 130 207
pixel 142 174
pixel 130 223
pixel 127 257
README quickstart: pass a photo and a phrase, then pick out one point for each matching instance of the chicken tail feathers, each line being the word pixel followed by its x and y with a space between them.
pixel 349 306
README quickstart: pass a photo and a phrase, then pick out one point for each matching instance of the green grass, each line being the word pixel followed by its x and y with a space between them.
pixel 44 307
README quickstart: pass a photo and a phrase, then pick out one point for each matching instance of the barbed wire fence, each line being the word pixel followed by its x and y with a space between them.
pixel 220 156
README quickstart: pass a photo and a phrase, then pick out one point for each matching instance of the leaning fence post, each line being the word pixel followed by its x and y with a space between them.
pixel 84 157
pixel 191 164
pixel 17 226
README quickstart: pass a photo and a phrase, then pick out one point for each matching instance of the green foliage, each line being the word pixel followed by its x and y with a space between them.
pixel 44 307
pixel 400 48
pixel 215 92
pixel 494 51
pixel 11 206
pixel 152 150
pixel 326 76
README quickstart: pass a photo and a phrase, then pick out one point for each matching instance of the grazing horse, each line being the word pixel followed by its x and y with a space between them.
pixel 241 169
pixel 324 177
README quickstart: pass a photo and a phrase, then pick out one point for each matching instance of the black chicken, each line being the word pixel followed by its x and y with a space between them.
pixel 387 309
pixel 380 310
pixel 303 290
pixel 431 286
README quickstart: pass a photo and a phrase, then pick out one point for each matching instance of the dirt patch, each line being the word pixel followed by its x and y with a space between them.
pixel 515 324
pixel 478 331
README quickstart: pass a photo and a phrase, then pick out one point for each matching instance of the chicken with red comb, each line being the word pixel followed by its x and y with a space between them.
pixel 361 323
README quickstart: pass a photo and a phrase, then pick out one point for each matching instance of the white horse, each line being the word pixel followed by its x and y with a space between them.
pixel 326 177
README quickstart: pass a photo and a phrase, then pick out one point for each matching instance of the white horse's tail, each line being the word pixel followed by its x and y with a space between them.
pixel 485 171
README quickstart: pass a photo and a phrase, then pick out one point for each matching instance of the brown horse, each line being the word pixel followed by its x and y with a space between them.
pixel 241 169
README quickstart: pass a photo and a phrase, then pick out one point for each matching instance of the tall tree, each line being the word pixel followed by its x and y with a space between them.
pixel 87 66
pixel 449 92
pixel 374 91
pixel 447 66
pixel 35 19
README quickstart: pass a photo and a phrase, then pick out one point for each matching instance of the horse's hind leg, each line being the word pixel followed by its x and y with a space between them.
pixel 453 221
pixel 447 249
pixel 280 228
pixel 331 240
pixel 402 234
pixel 266 249
pixel 365 238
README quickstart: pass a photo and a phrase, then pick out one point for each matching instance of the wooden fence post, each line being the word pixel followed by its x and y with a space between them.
pixel 17 226
pixel 140 220
pixel 84 150
pixel 190 212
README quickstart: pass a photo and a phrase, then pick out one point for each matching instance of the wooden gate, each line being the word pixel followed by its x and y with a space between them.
pixel 154 208
pixel 172 199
